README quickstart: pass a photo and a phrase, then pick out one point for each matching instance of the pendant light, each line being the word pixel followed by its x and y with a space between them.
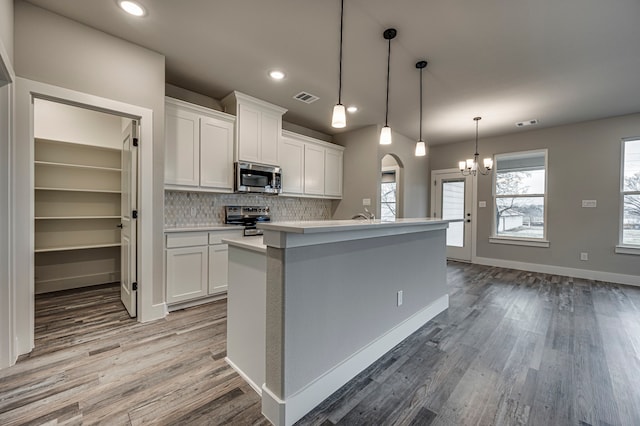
pixel 339 118
pixel 471 166
pixel 421 148
pixel 385 133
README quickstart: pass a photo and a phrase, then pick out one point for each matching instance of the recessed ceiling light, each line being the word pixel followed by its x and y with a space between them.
pixel 352 109
pixel 276 74
pixel 132 8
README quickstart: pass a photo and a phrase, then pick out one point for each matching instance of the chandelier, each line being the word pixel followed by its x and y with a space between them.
pixel 471 166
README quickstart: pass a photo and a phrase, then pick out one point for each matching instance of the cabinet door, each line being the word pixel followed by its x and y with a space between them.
pixel 269 137
pixel 292 163
pixel 333 173
pixel 218 265
pixel 313 170
pixel 182 147
pixel 187 270
pixel 216 154
pixel 248 133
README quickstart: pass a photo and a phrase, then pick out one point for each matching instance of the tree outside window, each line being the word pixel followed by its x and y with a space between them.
pixel 520 193
pixel 631 193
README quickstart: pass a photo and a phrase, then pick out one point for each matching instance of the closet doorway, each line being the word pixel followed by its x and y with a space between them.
pixel 85 201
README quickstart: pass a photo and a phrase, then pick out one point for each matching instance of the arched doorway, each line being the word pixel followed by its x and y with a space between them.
pixel 391 188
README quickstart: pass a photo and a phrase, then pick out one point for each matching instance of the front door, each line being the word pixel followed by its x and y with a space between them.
pixel 453 201
pixel 128 205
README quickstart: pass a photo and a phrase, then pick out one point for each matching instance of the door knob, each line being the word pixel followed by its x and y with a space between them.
pixel 120 226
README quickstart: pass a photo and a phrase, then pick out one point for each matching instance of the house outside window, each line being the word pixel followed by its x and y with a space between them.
pixel 630 194
pixel 520 191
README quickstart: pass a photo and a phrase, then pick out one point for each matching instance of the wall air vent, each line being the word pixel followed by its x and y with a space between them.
pixel 527 123
pixel 305 97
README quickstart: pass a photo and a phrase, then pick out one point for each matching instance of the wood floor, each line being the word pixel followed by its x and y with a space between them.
pixel 514 348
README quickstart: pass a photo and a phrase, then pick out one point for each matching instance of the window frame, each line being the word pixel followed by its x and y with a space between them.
pixel 621 247
pixel 522 241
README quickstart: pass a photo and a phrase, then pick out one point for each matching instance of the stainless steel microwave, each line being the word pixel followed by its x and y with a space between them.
pixel 252 177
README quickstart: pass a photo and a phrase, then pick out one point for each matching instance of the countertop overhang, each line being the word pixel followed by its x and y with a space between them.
pixel 297 234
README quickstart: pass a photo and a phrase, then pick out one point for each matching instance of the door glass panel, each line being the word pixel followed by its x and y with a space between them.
pixel 453 208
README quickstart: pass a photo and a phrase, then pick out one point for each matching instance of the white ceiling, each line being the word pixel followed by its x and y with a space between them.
pixel 558 61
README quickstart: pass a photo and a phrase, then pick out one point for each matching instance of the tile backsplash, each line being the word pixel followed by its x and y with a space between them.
pixel 209 207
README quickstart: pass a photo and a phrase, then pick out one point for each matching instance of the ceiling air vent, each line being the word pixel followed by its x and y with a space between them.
pixel 305 97
pixel 527 123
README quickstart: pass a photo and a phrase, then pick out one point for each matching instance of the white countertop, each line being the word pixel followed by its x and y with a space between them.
pixel 205 228
pixel 318 226
pixel 254 243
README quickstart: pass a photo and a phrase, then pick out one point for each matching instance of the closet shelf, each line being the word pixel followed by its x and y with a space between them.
pixel 83 247
pixel 110 191
pixel 76 166
pixel 74 217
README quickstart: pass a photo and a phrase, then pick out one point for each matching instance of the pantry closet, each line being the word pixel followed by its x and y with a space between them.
pixel 77 196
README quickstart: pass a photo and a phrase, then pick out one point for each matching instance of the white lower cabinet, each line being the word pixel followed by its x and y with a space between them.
pixel 197 264
pixel 187 271
pixel 218 265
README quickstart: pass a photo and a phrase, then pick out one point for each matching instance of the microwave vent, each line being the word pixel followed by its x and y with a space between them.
pixel 306 97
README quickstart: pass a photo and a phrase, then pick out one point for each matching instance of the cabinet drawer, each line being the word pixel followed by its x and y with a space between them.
pixel 187 239
pixel 216 237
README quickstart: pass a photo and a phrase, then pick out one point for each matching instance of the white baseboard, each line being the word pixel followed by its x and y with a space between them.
pixel 242 374
pixel 287 412
pixel 71 282
pixel 561 270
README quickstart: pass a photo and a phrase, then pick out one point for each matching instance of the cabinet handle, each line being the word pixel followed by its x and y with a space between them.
pixel 119 226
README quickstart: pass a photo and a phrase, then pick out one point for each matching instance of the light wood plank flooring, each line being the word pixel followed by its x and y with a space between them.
pixel 514 348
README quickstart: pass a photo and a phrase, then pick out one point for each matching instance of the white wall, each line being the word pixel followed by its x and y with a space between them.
pixel 7 355
pixel 60 122
pixel 583 164
pixel 362 160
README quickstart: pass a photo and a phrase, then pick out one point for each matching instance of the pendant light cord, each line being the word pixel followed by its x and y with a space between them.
pixel 476 154
pixel 386 115
pixel 420 120
pixel 340 72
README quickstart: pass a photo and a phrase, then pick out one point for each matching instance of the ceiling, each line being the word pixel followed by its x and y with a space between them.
pixel 558 61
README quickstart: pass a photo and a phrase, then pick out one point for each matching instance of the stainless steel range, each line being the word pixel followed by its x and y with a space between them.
pixel 247 216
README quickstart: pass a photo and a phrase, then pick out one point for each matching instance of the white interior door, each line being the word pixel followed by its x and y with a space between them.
pixel 128 205
pixel 453 201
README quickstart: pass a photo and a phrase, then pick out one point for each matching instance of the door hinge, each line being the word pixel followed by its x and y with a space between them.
pixel 435 183
pixel 134 214
pixel 134 286
pixel 135 141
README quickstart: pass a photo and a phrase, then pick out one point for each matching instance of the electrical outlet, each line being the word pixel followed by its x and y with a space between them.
pixel 400 298
pixel 584 256
pixel 194 212
pixel 366 201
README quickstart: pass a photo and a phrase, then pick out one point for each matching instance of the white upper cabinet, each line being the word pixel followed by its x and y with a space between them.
pixel 216 153
pixel 292 163
pixel 313 169
pixel 198 148
pixel 182 146
pixel 310 167
pixel 258 128
pixel 333 172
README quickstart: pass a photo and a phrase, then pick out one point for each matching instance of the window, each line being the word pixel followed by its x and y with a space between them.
pixel 630 235
pixel 520 197
pixel 388 194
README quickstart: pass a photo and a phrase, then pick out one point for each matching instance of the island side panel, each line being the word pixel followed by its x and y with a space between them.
pixel 341 297
pixel 274 352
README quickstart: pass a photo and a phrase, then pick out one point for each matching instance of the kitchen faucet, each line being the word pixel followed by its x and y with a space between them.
pixel 367 215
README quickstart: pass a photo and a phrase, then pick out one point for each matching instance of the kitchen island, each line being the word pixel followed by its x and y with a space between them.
pixel 339 294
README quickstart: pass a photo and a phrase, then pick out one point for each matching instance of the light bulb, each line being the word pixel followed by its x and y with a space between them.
pixel 421 149
pixel 339 119
pixel 385 136
pixel 132 8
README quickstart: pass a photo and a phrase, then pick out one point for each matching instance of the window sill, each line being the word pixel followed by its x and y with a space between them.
pixel 628 250
pixel 519 242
